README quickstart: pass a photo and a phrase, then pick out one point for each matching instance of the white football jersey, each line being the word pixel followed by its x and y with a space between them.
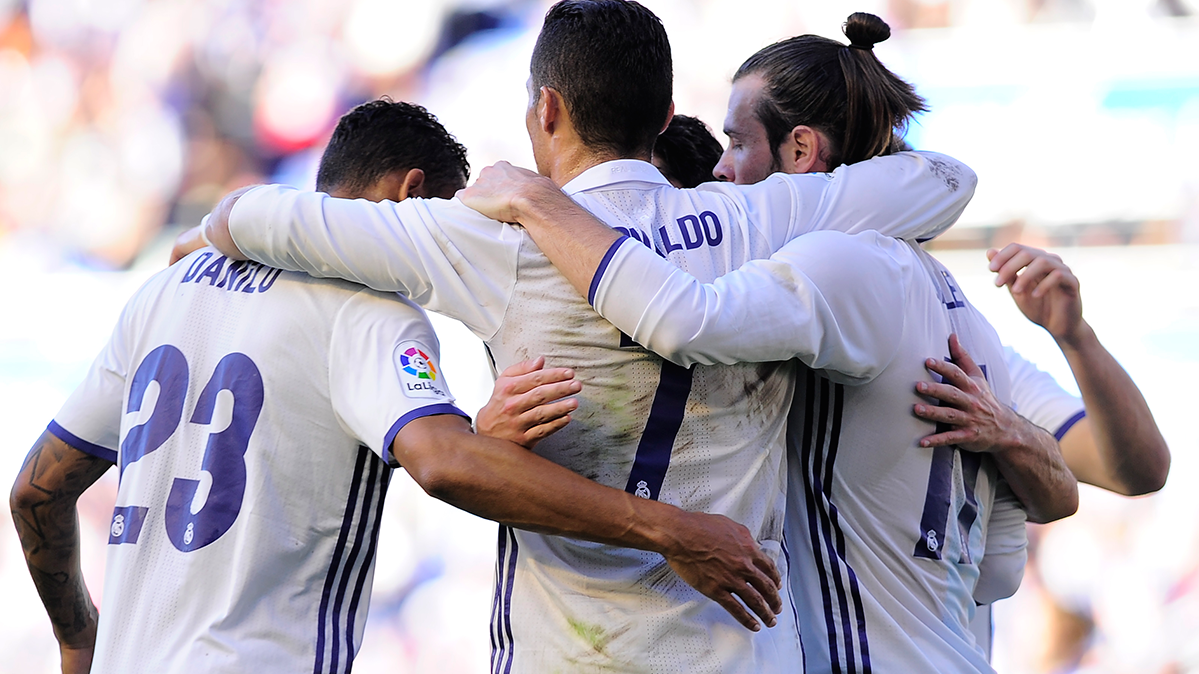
pixel 250 412
pixel 1039 398
pixel 886 538
pixel 702 438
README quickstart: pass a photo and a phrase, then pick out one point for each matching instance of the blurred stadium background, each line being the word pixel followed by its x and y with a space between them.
pixel 122 121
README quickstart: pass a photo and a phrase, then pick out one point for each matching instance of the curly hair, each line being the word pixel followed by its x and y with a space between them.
pixel 384 136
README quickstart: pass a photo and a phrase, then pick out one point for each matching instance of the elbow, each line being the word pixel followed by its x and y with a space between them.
pixel 1061 508
pixel 1152 473
pixel 672 344
pixel 441 478
pixel 22 498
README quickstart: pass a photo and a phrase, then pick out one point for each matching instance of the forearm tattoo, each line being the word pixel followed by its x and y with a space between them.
pixel 43 503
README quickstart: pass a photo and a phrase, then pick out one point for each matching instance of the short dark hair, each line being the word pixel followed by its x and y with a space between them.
pixel 610 60
pixel 383 136
pixel 687 152
pixel 841 90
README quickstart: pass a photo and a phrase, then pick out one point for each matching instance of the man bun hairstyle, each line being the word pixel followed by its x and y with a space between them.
pixel 843 91
pixel 610 60
pixel 383 136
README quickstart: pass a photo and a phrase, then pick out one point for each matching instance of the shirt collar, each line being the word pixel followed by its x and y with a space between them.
pixel 615 171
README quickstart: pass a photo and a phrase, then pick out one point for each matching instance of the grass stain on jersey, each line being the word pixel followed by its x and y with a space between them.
pixel 593 635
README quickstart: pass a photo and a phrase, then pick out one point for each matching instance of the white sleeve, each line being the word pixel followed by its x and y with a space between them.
pixel 910 195
pixel 90 419
pixel 1006 548
pixel 441 254
pixel 1039 398
pixel 384 369
pixel 832 300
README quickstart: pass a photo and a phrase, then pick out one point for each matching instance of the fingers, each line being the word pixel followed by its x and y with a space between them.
pixel 948 394
pixel 735 609
pixel 961 358
pixel 1008 272
pixel 767 583
pixel 543 431
pixel 524 367
pixel 941 414
pixel 1059 278
pixel 998 258
pixel 544 414
pixel 1037 270
pixel 958 437
pixel 752 596
pixel 531 381
pixel 949 372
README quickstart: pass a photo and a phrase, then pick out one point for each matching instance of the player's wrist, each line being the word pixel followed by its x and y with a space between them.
pixel 534 203
pixel 1079 338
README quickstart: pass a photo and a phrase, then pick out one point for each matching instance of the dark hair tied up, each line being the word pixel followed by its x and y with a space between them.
pixel 865 30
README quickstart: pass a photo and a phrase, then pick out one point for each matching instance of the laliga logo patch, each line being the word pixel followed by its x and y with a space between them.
pixel 418 373
pixel 416 362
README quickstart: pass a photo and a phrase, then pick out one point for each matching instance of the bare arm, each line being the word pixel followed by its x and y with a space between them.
pixel 43 502
pixel 1118 446
pixel 502 481
pixel 1027 455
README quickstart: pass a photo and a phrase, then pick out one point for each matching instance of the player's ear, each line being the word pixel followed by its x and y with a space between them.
pixel 412 185
pixel 550 110
pixel 802 151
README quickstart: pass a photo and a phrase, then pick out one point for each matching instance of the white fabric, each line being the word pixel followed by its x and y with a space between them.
pixel 859 485
pixel 262 390
pixel 705 438
pixel 834 301
pixel 1037 395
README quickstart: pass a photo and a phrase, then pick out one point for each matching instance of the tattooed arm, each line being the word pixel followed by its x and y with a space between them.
pixel 43 508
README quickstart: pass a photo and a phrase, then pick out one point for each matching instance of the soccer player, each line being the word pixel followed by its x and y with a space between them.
pixel 886 533
pixel 686 152
pixel 1109 438
pixel 707 438
pixel 255 416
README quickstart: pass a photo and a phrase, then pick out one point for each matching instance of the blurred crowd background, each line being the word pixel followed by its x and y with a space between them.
pixel 122 121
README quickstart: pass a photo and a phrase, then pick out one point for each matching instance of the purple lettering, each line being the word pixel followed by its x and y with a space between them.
pixel 693 221
pixel 213 271
pixel 268 281
pixel 195 268
pixel 670 245
pixel 712 231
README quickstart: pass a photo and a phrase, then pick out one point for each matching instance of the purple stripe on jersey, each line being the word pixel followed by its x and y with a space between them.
pixel 501 560
pixel 813 527
pixel 335 563
pixel 819 475
pixel 81 444
pixel 1061 432
pixel 508 601
pixel 368 561
pixel 603 267
pixel 426 411
pixel 971 463
pixel 354 559
pixel 854 588
pixel 661 428
pixel 930 539
pixel 126 524
pixel 791 601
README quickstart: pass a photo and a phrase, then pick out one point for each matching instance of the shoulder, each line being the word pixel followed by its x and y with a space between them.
pixel 393 316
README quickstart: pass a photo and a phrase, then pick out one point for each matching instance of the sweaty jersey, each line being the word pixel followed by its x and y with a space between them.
pixel 886 538
pixel 702 438
pixel 250 412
